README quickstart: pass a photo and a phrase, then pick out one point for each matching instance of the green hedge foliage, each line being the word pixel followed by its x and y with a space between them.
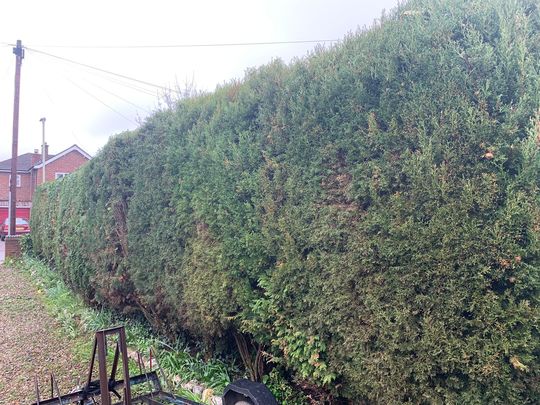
pixel 369 215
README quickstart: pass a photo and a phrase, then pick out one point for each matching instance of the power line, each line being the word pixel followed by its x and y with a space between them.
pixel 166 89
pixel 210 45
pixel 120 81
pixel 101 101
pixel 119 97
pixel 117 81
pixel 95 97
pixel 135 80
pixel 124 83
pixel 128 84
pixel 103 70
pixel 113 79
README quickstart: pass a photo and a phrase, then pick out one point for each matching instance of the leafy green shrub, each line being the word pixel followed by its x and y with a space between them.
pixel 215 374
pixel 368 216
pixel 282 389
pixel 26 244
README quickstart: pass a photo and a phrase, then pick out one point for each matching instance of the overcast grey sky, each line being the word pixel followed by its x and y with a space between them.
pixel 84 106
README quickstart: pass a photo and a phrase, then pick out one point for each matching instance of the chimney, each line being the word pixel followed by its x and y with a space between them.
pixel 36 157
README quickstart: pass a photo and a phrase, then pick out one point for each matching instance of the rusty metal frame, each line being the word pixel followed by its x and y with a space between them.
pixel 107 384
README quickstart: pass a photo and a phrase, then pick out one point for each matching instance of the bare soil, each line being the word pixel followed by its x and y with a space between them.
pixel 31 344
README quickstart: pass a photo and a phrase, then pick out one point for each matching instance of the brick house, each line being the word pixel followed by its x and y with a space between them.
pixel 30 175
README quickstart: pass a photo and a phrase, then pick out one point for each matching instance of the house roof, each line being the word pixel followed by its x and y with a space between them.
pixel 52 158
pixel 24 162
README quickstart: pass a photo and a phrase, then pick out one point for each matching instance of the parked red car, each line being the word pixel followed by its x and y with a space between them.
pixel 21 227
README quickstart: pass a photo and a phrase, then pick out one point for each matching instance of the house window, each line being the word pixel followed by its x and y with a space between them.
pixel 60 175
pixel 18 180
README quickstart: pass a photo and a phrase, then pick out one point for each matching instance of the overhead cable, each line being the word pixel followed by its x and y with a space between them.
pixel 209 45
pixel 167 89
pixel 101 101
pixel 119 97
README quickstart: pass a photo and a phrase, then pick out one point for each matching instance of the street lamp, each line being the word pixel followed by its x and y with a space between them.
pixel 43 147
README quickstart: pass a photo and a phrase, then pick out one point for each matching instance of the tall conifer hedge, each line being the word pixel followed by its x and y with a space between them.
pixel 369 214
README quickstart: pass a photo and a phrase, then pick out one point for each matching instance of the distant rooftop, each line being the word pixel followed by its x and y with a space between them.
pixel 24 163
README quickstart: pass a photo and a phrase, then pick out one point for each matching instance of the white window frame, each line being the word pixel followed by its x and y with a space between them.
pixel 60 175
pixel 18 180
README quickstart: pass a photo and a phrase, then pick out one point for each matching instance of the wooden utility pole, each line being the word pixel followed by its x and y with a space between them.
pixel 19 53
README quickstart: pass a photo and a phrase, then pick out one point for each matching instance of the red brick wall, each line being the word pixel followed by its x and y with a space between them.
pixel 4 186
pixel 24 193
pixel 66 164
pixel 12 247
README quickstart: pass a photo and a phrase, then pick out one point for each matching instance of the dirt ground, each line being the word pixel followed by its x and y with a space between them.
pixel 30 344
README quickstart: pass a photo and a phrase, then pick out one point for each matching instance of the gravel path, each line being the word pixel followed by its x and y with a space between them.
pixel 30 344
